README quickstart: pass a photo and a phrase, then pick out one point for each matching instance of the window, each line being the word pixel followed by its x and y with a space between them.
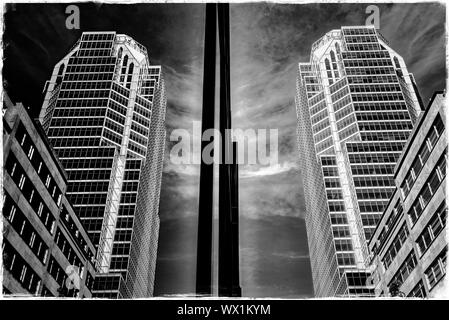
pixel 405 269
pixel 396 62
pixel 418 291
pixel 429 143
pixel 429 188
pixel 437 269
pixel 396 245
pixel 433 229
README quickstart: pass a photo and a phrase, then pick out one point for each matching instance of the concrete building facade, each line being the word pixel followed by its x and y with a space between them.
pixel 409 246
pixel 46 250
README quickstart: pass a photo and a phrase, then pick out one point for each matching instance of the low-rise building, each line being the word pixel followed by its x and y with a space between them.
pixel 46 250
pixel 409 245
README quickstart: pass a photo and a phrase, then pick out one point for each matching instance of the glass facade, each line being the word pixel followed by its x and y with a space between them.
pixel 104 113
pixel 356 106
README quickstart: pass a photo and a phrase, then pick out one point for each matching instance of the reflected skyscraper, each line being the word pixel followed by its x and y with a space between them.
pixel 356 104
pixel 104 113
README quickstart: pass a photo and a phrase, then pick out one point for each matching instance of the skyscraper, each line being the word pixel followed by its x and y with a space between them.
pixel 356 104
pixel 104 113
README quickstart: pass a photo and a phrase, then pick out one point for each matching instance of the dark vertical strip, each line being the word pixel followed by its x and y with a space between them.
pixel 205 206
pixel 236 291
pixel 228 266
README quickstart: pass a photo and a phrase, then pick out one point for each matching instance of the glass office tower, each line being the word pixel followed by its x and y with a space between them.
pixel 104 113
pixel 356 104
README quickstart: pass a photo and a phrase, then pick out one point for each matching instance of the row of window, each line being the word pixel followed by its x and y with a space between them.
pixel 391 106
pixel 320 126
pixel 322 134
pixel 75 131
pixel 95 44
pixel 88 198
pixel 94 224
pixel 372 79
pixel 365 55
pixel 373 182
pixel 344 112
pixel 418 163
pixel 20 269
pixel 363 47
pixel 405 269
pixel 390 96
pixel 367 63
pixel 88 163
pixel 82 103
pixel 339 94
pixel 372 88
pixel 88 76
pixel 340 231
pixel 315 99
pixel 89 60
pixel 343 245
pixel 418 291
pixel 75 233
pixel 37 162
pixel 374 193
pixel 25 229
pixel 78 112
pixel 370 220
pixel 387 126
pixel 77 122
pixel 324 145
pixel 382 116
pixel 319 116
pixel 345 259
pixel 437 270
pixel 84 94
pixel 332 183
pixel 429 188
pixel 396 245
pixel 133 136
pixel 348 131
pixel 65 142
pixel 30 193
pixel 436 224
pixel 359 38
pixel 97 36
pixel 357 31
pixel 357 71
pixel 318 107
pixel 85 85
pixel 385 136
pixel 97 175
pixel 336 206
pixel 369 158
pixel 67 249
pixel 338 85
pixel 93 53
pixel 114 137
pixel 90 68
pixel 372 206
pixel 390 146
pixel 87 152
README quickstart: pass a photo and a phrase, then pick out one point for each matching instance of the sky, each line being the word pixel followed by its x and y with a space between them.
pixel 267 42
